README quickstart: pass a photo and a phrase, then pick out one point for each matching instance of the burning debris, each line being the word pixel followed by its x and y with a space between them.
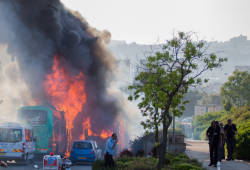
pixel 64 63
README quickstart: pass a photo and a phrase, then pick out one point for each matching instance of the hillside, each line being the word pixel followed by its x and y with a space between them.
pixel 237 50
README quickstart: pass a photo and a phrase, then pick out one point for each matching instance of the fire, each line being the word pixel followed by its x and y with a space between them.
pixel 66 92
pixel 105 134
pixel 87 126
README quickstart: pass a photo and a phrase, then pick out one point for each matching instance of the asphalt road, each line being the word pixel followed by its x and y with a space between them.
pixel 13 166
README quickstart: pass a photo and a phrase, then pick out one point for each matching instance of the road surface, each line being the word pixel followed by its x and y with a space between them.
pixel 30 167
pixel 200 151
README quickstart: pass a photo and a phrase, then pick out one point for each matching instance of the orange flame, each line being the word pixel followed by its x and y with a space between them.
pixel 105 134
pixel 67 94
pixel 87 126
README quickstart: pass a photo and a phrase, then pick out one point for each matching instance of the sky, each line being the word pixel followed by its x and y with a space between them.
pixel 151 21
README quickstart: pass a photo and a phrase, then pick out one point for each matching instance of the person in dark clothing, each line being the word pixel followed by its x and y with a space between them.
pixel 230 132
pixel 209 136
pixel 213 134
pixel 221 150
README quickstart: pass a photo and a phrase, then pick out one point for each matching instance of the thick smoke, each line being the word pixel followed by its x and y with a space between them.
pixel 37 30
pixel 13 90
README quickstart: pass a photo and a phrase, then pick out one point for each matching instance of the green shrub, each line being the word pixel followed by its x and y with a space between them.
pixel 125 159
pixel 186 166
pixel 180 159
pixel 175 161
pixel 128 163
pixel 143 164
pixel 195 162
pixel 243 142
pixel 183 158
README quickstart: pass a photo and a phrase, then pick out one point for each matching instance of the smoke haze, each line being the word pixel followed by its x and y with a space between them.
pixel 32 33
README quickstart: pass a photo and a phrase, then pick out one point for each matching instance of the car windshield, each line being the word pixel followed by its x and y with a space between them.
pixel 82 145
pixel 10 135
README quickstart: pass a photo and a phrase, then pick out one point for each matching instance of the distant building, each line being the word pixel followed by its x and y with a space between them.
pixel 242 68
pixel 200 108
pixel 214 108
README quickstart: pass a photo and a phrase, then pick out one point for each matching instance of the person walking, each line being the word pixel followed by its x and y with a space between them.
pixel 110 151
pixel 230 132
pixel 213 134
pixel 221 149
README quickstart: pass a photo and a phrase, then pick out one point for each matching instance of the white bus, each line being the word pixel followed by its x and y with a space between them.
pixel 16 142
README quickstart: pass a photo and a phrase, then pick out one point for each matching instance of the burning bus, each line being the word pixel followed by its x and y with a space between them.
pixel 48 127
pixel 64 63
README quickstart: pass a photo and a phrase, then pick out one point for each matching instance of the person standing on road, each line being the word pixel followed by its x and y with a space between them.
pixel 230 132
pixel 209 136
pixel 221 149
pixel 213 134
pixel 110 151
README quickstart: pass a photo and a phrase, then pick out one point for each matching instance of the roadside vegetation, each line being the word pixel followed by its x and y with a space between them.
pixel 235 95
pixel 161 82
pixel 173 162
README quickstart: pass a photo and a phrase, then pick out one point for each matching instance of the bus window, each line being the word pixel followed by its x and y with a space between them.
pixel 34 117
pixel 10 135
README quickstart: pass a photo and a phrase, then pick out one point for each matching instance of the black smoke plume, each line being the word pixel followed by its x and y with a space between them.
pixel 37 30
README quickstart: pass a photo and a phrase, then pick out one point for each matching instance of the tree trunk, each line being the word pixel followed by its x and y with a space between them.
pixel 156 126
pixel 163 145
pixel 156 133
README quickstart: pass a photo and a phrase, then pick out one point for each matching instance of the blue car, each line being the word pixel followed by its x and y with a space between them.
pixel 85 151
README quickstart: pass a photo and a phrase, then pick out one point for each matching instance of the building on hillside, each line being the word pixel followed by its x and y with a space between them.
pixel 200 108
pixel 214 108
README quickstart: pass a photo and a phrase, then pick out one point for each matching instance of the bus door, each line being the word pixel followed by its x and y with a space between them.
pixel 29 142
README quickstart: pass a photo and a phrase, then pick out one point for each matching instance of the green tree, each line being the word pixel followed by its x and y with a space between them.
pixel 149 108
pixel 152 122
pixel 168 75
pixel 236 91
